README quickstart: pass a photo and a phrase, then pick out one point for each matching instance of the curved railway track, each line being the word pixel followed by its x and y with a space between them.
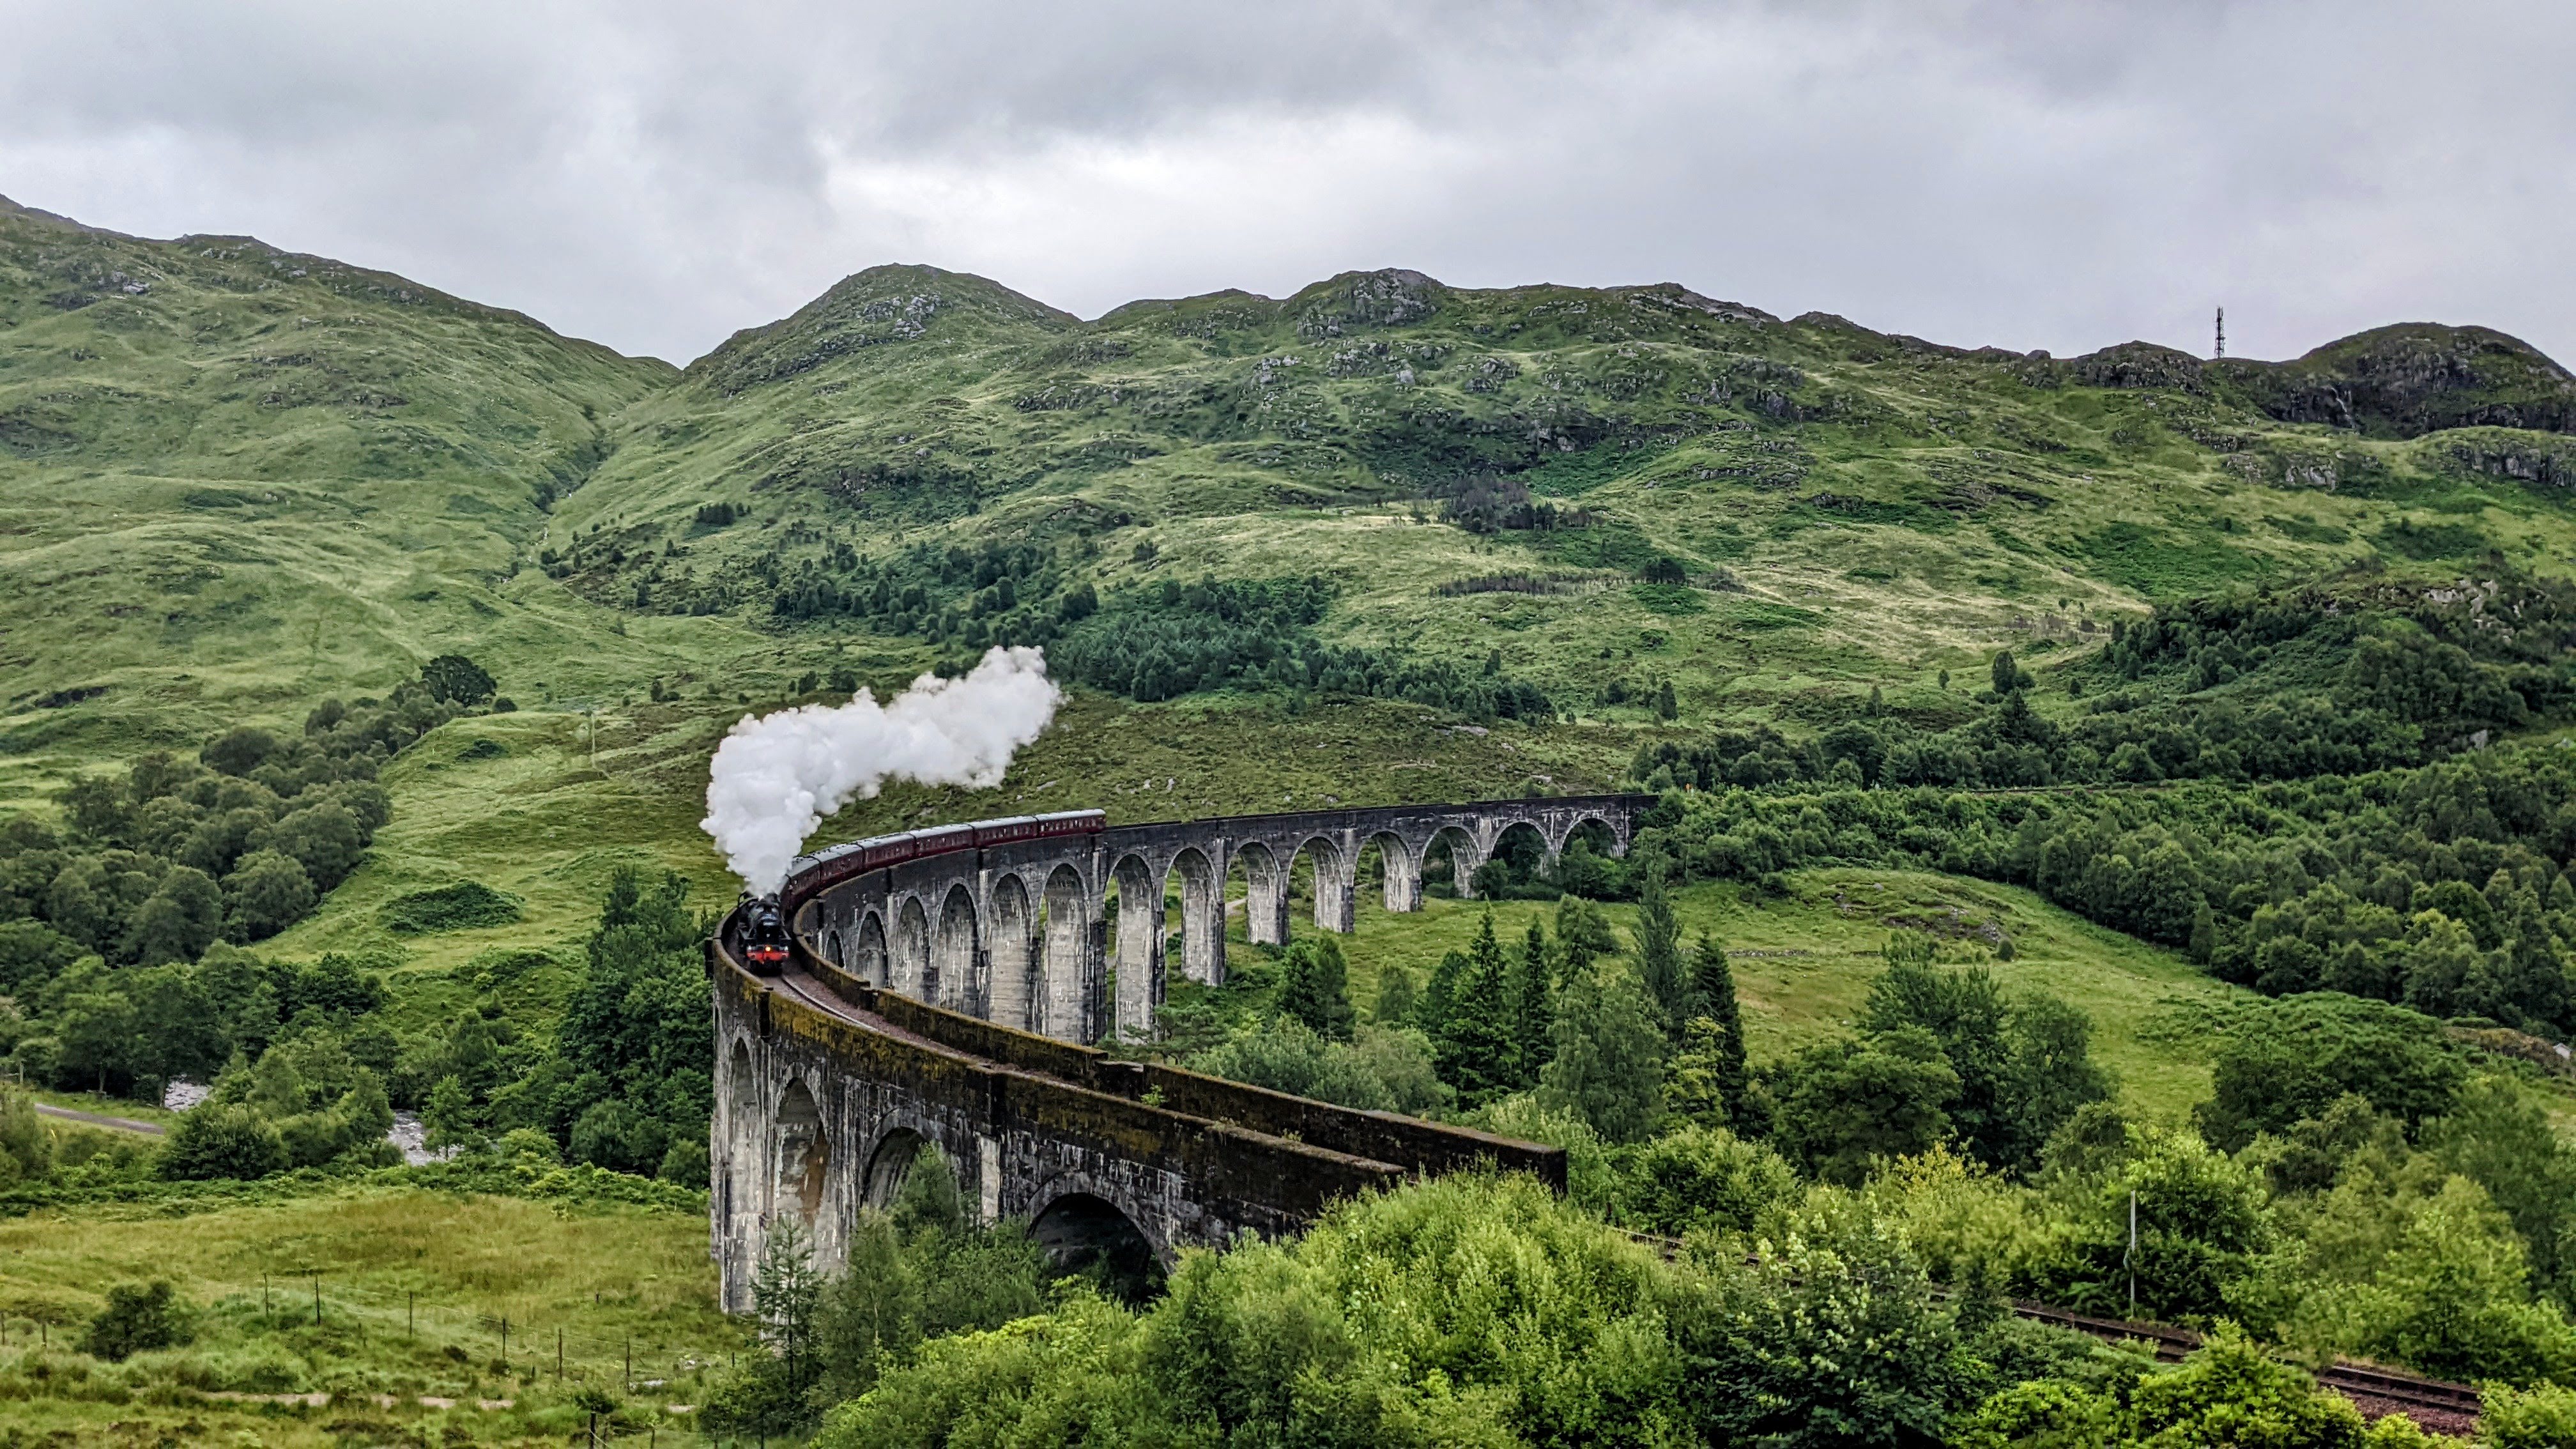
pixel 2434 1404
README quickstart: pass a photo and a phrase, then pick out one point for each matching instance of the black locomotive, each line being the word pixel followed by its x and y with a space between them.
pixel 764 935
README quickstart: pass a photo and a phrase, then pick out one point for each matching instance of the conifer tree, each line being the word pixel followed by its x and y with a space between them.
pixel 1582 937
pixel 1609 1062
pixel 1476 1051
pixel 1659 953
pixel 1713 1005
pixel 1440 998
pixel 1533 1004
pixel 1315 988
pixel 1397 1003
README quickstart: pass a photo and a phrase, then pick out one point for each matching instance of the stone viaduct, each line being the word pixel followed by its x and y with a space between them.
pixel 946 987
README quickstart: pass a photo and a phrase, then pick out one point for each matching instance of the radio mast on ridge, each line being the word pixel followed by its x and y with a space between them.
pixel 2222 333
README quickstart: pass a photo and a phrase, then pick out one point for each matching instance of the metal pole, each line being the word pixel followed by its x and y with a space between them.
pixel 505 1343
pixel 2131 1257
pixel 558 1355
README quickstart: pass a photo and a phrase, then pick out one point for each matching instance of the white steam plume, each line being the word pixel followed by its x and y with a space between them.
pixel 776 777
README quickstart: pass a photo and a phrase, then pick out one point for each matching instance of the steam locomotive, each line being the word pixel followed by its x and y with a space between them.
pixel 764 935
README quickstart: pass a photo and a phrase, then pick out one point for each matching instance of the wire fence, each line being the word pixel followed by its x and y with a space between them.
pixel 530 1349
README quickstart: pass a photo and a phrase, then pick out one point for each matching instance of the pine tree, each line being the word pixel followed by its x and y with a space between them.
pixel 1659 953
pixel 1397 1004
pixel 1440 998
pixel 1714 1040
pixel 2204 933
pixel 1582 937
pixel 1315 987
pixel 1609 1062
pixel 786 1286
pixel 1533 1005
pixel 1476 1051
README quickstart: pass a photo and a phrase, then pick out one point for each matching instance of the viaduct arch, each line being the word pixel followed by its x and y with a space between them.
pixel 953 994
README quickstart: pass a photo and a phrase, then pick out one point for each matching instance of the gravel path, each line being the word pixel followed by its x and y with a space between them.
pixel 96 1119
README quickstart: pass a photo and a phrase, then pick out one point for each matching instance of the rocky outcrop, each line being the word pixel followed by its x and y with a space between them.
pixel 1356 300
pixel 2135 365
pixel 2538 459
pixel 2412 379
pixel 879 306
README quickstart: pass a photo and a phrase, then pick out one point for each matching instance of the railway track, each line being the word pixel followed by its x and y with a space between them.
pixel 2433 1403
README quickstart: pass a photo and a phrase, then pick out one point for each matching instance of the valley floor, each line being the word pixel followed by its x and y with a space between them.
pixel 412 1288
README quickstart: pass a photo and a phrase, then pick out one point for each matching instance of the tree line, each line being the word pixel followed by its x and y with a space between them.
pixel 2244 688
pixel 120 925
pixel 2438 886
pixel 1148 642
pixel 306 1063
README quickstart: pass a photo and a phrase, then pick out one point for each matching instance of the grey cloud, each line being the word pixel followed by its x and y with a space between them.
pixel 2031 174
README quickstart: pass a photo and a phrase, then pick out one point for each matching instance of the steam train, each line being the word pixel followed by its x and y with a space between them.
pixel 810 875
pixel 764 934
pixel 761 929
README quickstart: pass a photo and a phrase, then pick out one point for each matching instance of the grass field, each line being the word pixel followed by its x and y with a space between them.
pixel 412 1285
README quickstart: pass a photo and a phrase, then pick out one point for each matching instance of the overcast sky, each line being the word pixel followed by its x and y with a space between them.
pixel 654 175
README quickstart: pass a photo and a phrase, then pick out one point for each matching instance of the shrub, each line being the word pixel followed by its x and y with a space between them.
pixel 2291 1061
pixel 1699 1178
pixel 136 1320
pixel 215 1141
pixel 466 905
pixel 1387 1070
pixel 2539 1418
pixel 456 679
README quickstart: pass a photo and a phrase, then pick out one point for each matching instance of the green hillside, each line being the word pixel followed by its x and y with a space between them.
pixel 2019 725
pixel 236 481
pixel 1482 471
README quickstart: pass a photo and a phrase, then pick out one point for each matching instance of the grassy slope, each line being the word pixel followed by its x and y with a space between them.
pixel 603 1278
pixel 1890 508
pixel 265 478
pixel 212 504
